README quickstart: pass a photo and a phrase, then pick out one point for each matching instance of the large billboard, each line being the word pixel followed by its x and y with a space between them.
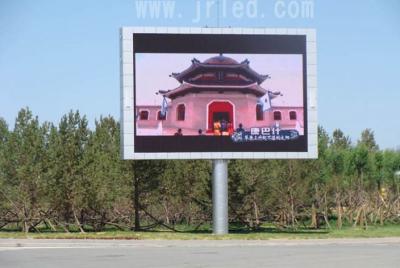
pixel 201 93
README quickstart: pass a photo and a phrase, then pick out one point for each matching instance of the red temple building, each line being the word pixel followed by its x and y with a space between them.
pixel 219 88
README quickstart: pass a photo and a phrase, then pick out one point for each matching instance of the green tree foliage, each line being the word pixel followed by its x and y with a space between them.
pixel 23 170
pixel 66 173
pixel 340 141
pixel 105 190
pixel 246 199
pixel 4 204
pixel 184 192
pixel 68 177
pixel 323 141
pixel 368 140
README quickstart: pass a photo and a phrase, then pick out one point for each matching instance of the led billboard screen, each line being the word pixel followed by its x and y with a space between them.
pixel 203 95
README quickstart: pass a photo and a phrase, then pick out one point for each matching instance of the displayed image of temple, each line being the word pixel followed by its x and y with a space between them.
pixel 220 89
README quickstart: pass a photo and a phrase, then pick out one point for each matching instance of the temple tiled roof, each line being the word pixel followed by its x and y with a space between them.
pixel 219 63
pixel 221 60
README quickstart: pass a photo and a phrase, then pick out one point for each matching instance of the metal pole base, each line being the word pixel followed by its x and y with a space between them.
pixel 220 197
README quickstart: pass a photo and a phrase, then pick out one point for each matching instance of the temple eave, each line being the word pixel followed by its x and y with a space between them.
pixel 191 88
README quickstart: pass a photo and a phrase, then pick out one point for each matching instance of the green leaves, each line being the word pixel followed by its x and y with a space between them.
pixel 69 177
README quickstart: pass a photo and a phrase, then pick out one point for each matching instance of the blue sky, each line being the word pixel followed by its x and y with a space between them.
pixel 62 55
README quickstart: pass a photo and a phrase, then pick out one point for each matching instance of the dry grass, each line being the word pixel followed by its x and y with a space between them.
pixel 264 234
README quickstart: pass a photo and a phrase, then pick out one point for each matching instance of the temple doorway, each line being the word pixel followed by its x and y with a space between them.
pixel 218 111
pixel 219 116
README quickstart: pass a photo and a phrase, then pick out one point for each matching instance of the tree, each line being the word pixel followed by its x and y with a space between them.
pixel 3 132
pixel 391 165
pixel 323 141
pixel 368 139
pixel 66 176
pixel 340 141
pixel 336 178
pixel 184 193
pixel 22 165
pixel 359 167
pixel 105 185
pixel 4 204
pixel 71 177
pixel 145 180
pixel 247 182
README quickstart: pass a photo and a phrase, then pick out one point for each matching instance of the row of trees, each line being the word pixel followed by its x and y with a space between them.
pixel 68 177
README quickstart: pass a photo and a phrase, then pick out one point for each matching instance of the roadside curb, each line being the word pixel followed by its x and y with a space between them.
pixel 92 243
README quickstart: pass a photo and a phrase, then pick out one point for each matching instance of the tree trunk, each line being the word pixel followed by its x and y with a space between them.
pixel 292 215
pixel 314 217
pixel 326 216
pixel 166 211
pixel 77 221
pixel 339 215
pixel 64 226
pixel 25 227
pixel 339 209
pixel 381 216
pixel 137 204
pixel 256 213
pixel 357 219
pixel 51 225
pixel 364 221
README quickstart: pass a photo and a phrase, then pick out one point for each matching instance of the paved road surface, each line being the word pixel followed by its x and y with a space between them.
pixel 363 253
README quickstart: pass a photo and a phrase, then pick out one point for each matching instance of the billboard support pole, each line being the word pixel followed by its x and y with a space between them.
pixel 220 197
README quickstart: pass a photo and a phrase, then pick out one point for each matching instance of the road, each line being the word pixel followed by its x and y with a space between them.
pixel 156 254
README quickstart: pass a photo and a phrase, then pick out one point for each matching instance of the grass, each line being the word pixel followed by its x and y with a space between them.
pixel 266 233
